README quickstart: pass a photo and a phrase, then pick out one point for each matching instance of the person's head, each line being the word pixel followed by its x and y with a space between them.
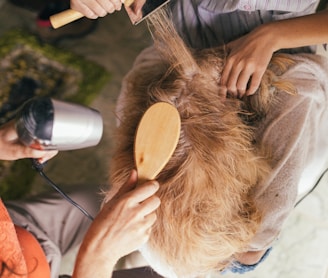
pixel 207 213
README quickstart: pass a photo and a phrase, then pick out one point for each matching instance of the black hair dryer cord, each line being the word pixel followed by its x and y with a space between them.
pixel 39 168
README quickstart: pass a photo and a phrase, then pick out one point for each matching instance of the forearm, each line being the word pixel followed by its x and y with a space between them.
pixel 89 264
pixel 297 32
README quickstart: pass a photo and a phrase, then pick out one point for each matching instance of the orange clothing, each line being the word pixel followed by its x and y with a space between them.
pixel 20 251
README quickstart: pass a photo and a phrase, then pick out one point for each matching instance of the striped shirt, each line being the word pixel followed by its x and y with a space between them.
pixel 209 23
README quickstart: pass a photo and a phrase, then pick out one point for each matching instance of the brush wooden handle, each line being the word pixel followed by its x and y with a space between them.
pixel 65 17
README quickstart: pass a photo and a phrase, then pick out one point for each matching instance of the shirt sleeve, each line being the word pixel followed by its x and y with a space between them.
pixel 253 5
pixel 209 23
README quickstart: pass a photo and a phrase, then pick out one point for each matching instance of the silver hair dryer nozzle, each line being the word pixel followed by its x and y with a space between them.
pixel 48 124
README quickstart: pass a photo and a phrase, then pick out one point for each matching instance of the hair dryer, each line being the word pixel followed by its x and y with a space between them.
pixel 47 124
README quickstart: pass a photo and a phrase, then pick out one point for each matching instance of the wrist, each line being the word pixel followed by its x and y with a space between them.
pixel 89 264
pixel 93 268
pixel 269 36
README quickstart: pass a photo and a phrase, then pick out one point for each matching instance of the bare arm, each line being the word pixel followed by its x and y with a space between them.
pixel 250 55
pixel 301 31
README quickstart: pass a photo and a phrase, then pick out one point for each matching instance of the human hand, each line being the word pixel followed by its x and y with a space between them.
pixel 12 149
pixel 122 226
pixel 96 8
pixel 248 58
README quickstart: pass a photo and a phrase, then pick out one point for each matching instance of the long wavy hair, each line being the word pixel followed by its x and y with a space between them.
pixel 207 214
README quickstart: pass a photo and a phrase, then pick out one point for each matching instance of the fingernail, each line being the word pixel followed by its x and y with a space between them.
pixel 41 160
pixel 156 185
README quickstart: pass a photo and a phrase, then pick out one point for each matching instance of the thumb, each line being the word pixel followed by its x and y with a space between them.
pixel 129 185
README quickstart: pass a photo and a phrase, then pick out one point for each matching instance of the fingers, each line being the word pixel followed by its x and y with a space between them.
pixel 142 199
pixel 226 75
pixel 132 195
pixel 111 6
pixel 230 78
pixel 240 82
pixel 244 68
pixel 96 8
pixel 144 191
pixel 22 151
pixel 13 149
pixel 45 155
pixel 151 219
pixel 18 151
pixel 95 12
pixel 125 223
pixel 137 193
pixel 144 226
pixel 129 185
pixel 254 83
pixel 236 77
pixel 148 206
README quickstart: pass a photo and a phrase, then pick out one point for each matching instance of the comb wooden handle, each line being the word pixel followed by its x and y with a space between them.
pixel 65 17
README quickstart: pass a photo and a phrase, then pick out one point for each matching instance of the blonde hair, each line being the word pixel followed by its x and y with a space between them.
pixel 207 213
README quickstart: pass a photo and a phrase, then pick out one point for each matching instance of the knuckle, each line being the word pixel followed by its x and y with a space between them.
pixel 99 11
pixel 28 152
pixel 125 202
pixel 241 86
pixel 89 14
pixel 110 7
pixel 150 219
pixel 156 201
pixel 102 13
pixel 118 5
pixel 231 88
pixel 252 63
pixel 74 4
pixel 109 10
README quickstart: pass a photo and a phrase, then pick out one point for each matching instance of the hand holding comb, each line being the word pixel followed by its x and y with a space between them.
pixel 156 138
pixel 137 11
